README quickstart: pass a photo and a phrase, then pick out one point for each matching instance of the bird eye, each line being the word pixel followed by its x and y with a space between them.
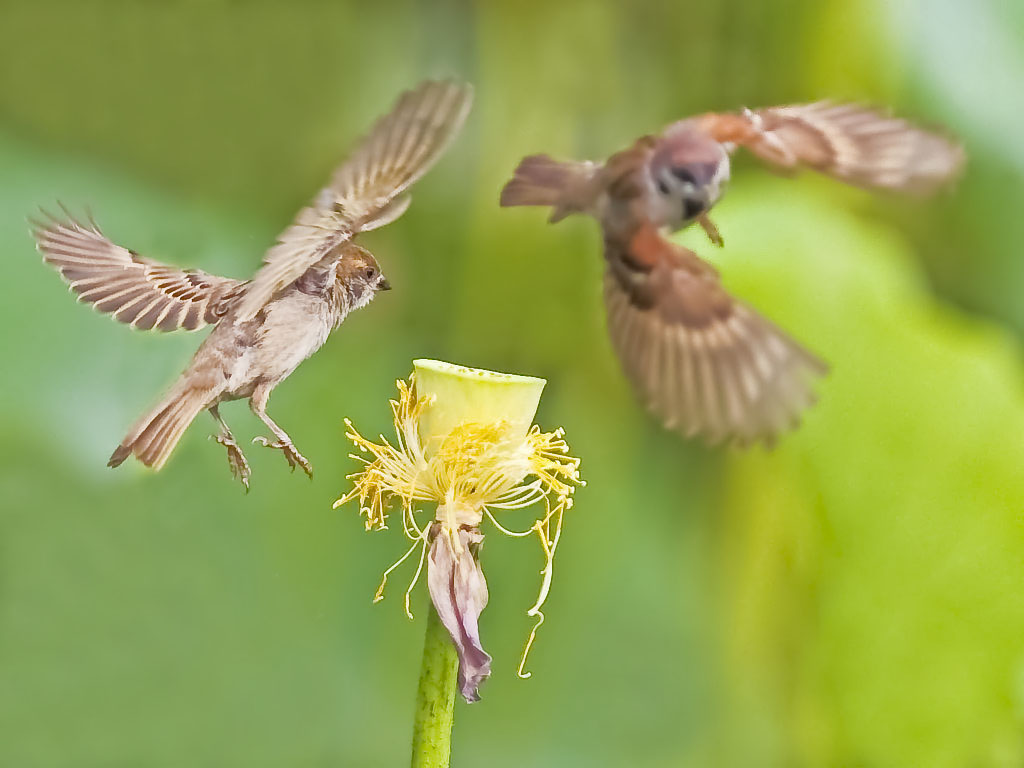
pixel 370 272
pixel 685 175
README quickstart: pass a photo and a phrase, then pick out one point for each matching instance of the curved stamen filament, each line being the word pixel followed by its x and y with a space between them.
pixel 415 577
pixel 379 595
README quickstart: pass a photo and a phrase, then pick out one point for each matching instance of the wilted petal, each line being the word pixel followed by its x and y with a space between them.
pixel 459 592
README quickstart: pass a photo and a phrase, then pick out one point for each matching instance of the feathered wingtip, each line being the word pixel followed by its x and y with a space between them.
pixel 854 143
pixel 45 221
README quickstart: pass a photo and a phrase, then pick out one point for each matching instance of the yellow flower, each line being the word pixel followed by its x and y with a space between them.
pixel 466 442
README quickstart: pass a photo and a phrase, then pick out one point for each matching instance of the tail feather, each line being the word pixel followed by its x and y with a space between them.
pixel 542 180
pixel 156 434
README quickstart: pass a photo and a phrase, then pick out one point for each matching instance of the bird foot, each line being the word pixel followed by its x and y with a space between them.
pixel 294 458
pixel 236 460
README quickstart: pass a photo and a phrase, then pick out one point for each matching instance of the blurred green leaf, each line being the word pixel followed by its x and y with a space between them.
pixel 871 566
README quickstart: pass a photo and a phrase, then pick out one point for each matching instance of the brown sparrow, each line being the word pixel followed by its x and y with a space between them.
pixel 703 362
pixel 264 327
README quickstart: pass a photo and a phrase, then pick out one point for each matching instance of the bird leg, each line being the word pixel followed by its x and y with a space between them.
pixel 236 459
pixel 710 230
pixel 258 403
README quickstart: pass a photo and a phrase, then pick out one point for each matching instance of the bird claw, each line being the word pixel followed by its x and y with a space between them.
pixel 236 460
pixel 293 457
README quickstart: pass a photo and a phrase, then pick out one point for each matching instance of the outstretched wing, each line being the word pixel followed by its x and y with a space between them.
pixel 704 363
pixel 846 141
pixel 365 192
pixel 137 291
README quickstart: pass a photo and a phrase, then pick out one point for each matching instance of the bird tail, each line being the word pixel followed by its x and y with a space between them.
pixel 154 435
pixel 542 180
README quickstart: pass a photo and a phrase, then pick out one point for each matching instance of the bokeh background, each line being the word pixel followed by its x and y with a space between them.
pixel 851 598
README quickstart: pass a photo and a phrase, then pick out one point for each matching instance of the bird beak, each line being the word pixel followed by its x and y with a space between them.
pixel 383 285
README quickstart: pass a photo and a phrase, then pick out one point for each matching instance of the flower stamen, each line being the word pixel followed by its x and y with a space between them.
pixel 379 595
pixel 415 578
pixel 469 471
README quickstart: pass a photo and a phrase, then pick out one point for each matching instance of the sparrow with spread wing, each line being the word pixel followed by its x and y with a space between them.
pixel 264 327
pixel 705 363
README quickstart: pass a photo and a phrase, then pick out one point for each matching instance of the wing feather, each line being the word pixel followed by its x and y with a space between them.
pixel 705 364
pixel 137 291
pixel 850 142
pixel 367 191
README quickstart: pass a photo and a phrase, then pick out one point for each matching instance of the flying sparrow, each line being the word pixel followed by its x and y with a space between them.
pixel 703 362
pixel 264 327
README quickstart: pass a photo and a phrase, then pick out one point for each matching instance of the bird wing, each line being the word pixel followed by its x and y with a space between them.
pixel 703 362
pixel 143 293
pixel 849 142
pixel 366 192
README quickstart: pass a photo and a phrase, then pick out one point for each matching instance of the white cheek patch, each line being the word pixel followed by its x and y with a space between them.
pixel 665 182
pixel 719 181
pixel 361 294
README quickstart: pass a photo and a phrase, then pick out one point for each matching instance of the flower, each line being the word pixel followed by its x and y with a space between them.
pixel 465 441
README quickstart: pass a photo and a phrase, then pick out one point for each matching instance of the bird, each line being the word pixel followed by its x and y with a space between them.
pixel 263 328
pixel 705 363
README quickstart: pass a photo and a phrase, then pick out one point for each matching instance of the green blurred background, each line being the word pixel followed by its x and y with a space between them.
pixel 852 598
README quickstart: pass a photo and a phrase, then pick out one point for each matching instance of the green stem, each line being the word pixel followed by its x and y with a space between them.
pixel 435 698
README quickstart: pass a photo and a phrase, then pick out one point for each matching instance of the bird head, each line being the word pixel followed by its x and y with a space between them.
pixel 360 274
pixel 689 171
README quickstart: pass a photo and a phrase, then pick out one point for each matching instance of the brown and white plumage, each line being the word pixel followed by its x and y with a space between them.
pixel 849 142
pixel 366 192
pixel 263 328
pixel 702 361
pixel 142 293
pixel 707 364
pixel 567 187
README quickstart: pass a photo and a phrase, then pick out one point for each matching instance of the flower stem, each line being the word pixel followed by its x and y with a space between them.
pixel 435 698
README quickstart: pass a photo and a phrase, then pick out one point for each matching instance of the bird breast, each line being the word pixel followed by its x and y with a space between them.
pixel 295 326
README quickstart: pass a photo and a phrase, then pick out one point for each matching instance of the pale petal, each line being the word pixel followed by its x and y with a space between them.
pixel 459 592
